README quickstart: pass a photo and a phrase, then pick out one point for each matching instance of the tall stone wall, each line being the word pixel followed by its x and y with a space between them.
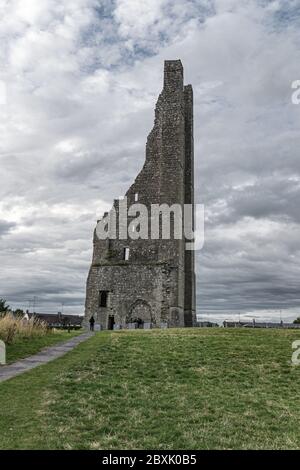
pixel 157 283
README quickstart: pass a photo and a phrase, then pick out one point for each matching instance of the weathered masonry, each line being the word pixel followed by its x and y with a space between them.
pixel 151 283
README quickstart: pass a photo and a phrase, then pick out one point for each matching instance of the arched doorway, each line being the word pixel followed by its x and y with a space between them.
pixel 139 314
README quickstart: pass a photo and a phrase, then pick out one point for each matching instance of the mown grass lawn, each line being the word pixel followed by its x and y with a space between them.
pixel 165 389
pixel 24 347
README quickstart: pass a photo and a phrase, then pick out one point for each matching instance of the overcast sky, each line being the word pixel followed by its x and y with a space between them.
pixel 82 78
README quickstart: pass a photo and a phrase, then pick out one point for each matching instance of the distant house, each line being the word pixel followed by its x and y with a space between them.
pixel 255 324
pixel 59 320
pixel 207 324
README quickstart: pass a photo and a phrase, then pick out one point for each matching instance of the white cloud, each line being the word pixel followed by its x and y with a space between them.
pixel 136 19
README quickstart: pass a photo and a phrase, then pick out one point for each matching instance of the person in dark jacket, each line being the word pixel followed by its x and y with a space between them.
pixel 92 323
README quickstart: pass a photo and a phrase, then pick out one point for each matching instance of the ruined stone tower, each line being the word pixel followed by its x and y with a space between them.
pixel 151 281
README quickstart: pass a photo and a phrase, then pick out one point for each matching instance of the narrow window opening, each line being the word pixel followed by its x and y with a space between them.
pixel 136 197
pixel 103 298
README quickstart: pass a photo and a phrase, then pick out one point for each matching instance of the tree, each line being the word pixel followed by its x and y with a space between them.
pixel 3 307
pixel 19 313
pixel 297 320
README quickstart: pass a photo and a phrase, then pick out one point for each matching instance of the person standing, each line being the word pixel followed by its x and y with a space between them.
pixel 92 323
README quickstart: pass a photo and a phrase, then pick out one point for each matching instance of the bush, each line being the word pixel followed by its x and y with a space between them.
pixel 3 307
pixel 12 329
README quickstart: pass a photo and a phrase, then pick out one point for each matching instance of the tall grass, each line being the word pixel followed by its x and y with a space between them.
pixel 13 329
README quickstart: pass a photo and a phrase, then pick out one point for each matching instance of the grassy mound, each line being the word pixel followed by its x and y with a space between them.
pixel 165 389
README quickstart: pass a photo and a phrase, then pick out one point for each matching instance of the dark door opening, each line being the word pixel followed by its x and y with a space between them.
pixel 140 323
pixel 111 322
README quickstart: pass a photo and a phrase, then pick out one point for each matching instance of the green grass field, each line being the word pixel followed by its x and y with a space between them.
pixel 24 347
pixel 165 389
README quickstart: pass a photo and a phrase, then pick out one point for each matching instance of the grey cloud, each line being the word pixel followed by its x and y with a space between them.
pixel 5 227
pixel 272 197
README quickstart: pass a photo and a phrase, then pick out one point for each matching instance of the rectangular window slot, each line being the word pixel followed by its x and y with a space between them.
pixel 103 298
